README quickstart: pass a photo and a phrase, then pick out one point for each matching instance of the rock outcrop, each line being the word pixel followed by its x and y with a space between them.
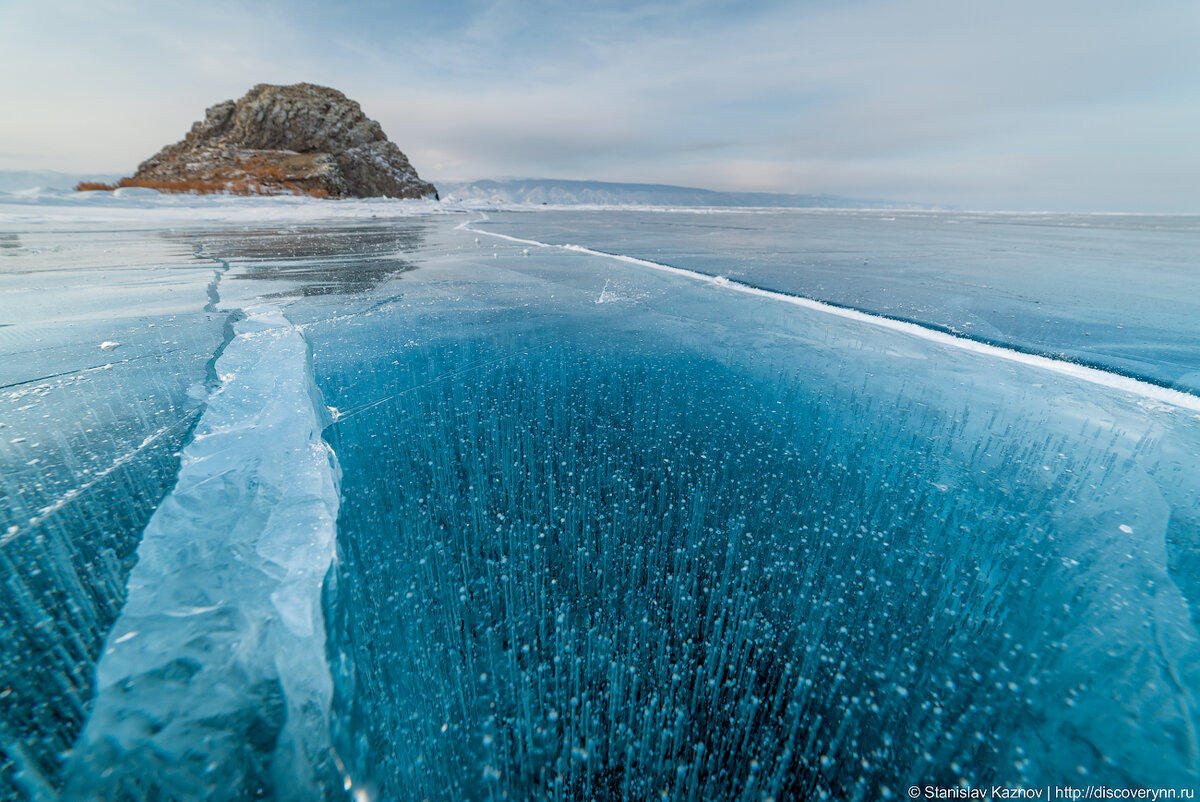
pixel 302 139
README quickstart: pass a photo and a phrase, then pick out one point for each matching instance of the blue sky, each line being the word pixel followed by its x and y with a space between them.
pixel 1055 104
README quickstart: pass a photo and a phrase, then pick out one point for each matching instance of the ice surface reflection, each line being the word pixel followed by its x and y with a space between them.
pixel 336 260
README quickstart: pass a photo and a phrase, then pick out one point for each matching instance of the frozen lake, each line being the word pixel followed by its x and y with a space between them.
pixel 1116 291
pixel 398 505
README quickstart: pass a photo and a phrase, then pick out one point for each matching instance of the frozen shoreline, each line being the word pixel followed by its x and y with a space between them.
pixel 136 206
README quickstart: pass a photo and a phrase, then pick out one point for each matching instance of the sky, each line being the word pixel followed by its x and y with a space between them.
pixel 1058 105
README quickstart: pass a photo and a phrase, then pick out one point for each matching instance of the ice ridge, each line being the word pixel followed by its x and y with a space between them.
pixel 214 683
pixel 1094 375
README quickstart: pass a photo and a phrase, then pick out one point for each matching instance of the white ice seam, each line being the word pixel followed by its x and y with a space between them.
pixel 1085 373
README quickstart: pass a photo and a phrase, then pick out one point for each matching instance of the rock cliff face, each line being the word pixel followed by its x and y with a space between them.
pixel 302 139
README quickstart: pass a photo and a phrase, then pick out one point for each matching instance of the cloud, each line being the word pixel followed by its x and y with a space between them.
pixel 966 103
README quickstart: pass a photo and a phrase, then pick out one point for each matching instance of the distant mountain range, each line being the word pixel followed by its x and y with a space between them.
pixel 538 191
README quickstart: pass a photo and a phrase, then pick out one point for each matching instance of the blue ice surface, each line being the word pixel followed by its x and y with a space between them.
pixel 603 532
pixel 1117 291
pixel 105 350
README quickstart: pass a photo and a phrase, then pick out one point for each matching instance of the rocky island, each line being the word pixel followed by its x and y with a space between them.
pixel 301 139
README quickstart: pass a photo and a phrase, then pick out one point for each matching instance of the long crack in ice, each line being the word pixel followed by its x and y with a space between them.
pixel 214 683
pixel 1093 375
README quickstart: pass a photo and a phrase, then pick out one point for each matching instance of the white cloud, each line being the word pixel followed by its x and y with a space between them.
pixel 972 103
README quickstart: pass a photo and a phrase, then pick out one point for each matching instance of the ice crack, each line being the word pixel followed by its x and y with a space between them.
pixel 215 678
pixel 1088 373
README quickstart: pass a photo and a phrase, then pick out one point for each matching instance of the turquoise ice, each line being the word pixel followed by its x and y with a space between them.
pixel 422 512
